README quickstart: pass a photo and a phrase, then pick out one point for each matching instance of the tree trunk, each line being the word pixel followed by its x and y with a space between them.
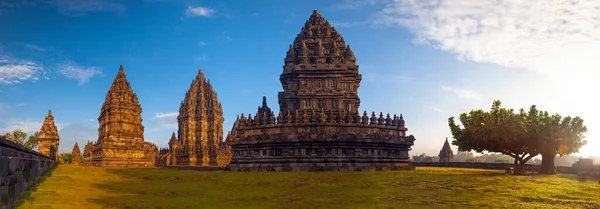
pixel 547 166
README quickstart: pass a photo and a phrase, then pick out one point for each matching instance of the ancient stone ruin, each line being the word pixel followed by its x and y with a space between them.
pixel 319 127
pixel 446 154
pixel 121 133
pixel 19 169
pixel 200 128
pixel 76 154
pixel 48 138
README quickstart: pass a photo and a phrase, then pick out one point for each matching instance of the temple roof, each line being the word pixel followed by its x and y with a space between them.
pixel 173 139
pixel 76 148
pixel 318 38
pixel 446 149
pixel 49 127
pixel 121 91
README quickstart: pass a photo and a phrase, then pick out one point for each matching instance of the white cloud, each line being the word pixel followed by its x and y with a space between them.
pixel 201 57
pixel 166 120
pixel 201 43
pixel 75 72
pixel 78 8
pixel 344 24
pixel 355 4
pixel 4 108
pixel 245 91
pixel 227 38
pixel 32 47
pixel 436 109
pixel 14 71
pixel 25 126
pixel 463 93
pixel 553 37
pixel 199 11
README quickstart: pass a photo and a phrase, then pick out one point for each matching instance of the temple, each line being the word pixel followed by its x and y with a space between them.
pixel 120 132
pixel 48 138
pixel 199 140
pixel 76 155
pixel 319 126
pixel 446 154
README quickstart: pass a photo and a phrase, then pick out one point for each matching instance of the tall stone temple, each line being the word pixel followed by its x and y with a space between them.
pixel 199 139
pixel 446 154
pixel 319 126
pixel 120 132
pixel 48 138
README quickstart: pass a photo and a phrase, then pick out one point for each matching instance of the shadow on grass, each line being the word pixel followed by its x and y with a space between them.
pixel 171 188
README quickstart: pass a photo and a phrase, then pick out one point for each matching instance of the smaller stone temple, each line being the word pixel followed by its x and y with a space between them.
pixel 120 132
pixel 446 154
pixel 48 138
pixel 76 155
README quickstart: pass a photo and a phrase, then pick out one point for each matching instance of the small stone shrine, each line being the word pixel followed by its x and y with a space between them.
pixel 76 155
pixel 446 155
pixel 319 127
pixel 48 138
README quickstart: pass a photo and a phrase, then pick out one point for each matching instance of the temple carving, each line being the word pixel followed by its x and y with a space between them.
pixel 120 132
pixel 199 140
pixel 446 154
pixel 319 127
pixel 48 138
pixel 76 155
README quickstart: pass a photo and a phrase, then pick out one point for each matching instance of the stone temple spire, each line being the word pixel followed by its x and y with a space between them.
pixel 446 154
pixel 320 71
pixel 200 123
pixel 264 109
pixel 120 131
pixel 76 153
pixel 48 138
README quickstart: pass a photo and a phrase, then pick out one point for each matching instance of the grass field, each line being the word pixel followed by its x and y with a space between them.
pixel 91 187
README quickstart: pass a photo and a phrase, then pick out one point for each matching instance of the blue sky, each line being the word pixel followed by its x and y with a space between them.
pixel 428 61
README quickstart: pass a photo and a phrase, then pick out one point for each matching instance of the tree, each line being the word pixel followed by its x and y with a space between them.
pixel 16 136
pixel 66 157
pixel 556 136
pixel 500 130
pixel 32 142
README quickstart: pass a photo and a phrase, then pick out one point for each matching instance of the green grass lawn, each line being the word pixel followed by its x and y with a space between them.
pixel 91 187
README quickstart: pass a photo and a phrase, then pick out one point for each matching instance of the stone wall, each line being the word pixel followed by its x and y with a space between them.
pixel 495 166
pixel 19 167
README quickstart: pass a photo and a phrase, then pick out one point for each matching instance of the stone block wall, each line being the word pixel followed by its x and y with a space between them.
pixel 19 168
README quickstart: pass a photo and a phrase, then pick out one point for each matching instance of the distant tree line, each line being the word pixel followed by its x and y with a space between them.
pixel 21 138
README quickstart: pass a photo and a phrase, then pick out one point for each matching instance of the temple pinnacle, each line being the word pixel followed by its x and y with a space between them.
pixel 264 103
pixel 49 112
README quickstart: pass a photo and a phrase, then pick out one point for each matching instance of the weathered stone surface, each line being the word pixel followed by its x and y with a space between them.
pixel 121 133
pixel 320 71
pixel 48 138
pixel 200 132
pixel 76 155
pixel 446 154
pixel 319 127
pixel 19 168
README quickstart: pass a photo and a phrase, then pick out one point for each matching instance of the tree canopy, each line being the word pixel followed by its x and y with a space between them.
pixel 32 141
pixel 522 135
pixel 16 136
